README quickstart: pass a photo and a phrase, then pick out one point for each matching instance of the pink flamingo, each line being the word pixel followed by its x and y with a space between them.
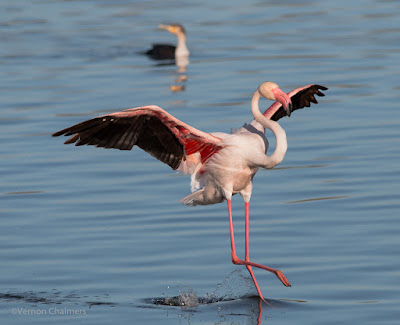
pixel 220 164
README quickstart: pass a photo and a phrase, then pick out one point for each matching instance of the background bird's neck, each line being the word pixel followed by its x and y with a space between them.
pixel 181 48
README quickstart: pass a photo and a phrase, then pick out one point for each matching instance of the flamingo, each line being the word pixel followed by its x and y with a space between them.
pixel 220 164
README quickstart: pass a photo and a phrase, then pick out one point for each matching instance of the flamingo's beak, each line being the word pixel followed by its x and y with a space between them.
pixel 284 99
pixel 289 109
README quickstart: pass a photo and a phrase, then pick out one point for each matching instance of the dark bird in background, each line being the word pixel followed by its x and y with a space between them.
pixel 168 51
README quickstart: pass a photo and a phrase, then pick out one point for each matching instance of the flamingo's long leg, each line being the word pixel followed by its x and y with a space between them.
pixel 246 212
pixel 234 256
pixel 249 268
pixel 231 229
pixel 260 312
pixel 236 260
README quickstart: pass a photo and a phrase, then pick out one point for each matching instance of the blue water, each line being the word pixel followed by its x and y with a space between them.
pixel 101 232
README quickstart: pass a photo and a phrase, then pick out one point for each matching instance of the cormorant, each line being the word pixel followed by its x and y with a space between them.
pixel 168 51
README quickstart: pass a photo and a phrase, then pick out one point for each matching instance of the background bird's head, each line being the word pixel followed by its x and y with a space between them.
pixel 173 28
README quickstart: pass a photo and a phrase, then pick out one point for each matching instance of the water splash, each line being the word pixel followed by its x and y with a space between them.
pixel 235 286
pixel 187 298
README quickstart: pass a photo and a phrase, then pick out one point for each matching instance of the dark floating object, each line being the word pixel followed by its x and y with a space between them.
pixel 168 51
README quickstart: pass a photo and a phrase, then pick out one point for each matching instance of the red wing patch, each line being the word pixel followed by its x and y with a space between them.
pixel 193 144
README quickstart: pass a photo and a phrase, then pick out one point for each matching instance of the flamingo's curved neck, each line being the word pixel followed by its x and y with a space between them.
pixel 279 133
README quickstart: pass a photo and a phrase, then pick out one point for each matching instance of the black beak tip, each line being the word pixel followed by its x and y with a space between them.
pixel 289 109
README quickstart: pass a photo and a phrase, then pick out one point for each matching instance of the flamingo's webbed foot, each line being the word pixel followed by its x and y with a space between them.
pixel 283 279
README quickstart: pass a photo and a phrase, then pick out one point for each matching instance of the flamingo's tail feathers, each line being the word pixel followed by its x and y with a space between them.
pixel 205 196
pixel 193 199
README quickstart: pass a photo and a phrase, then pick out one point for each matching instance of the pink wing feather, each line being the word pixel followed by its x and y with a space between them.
pixel 150 128
pixel 300 97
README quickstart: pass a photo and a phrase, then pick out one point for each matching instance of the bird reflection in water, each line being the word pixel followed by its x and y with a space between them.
pixel 229 311
pixel 248 312
pixel 181 62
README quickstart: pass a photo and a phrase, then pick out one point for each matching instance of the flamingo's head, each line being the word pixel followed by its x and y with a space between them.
pixel 271 91
pixel 173 28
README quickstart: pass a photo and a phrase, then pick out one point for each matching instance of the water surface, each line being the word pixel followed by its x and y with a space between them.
pixel 101 232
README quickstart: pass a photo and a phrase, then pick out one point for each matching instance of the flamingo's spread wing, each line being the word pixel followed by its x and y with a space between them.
pixel 301 97
pixel 150 128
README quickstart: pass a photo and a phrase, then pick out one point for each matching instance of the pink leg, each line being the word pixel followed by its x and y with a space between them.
pixel 234 256
pixel 260 312
pixel 249 268
pixel 246 213
pixel 236 260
